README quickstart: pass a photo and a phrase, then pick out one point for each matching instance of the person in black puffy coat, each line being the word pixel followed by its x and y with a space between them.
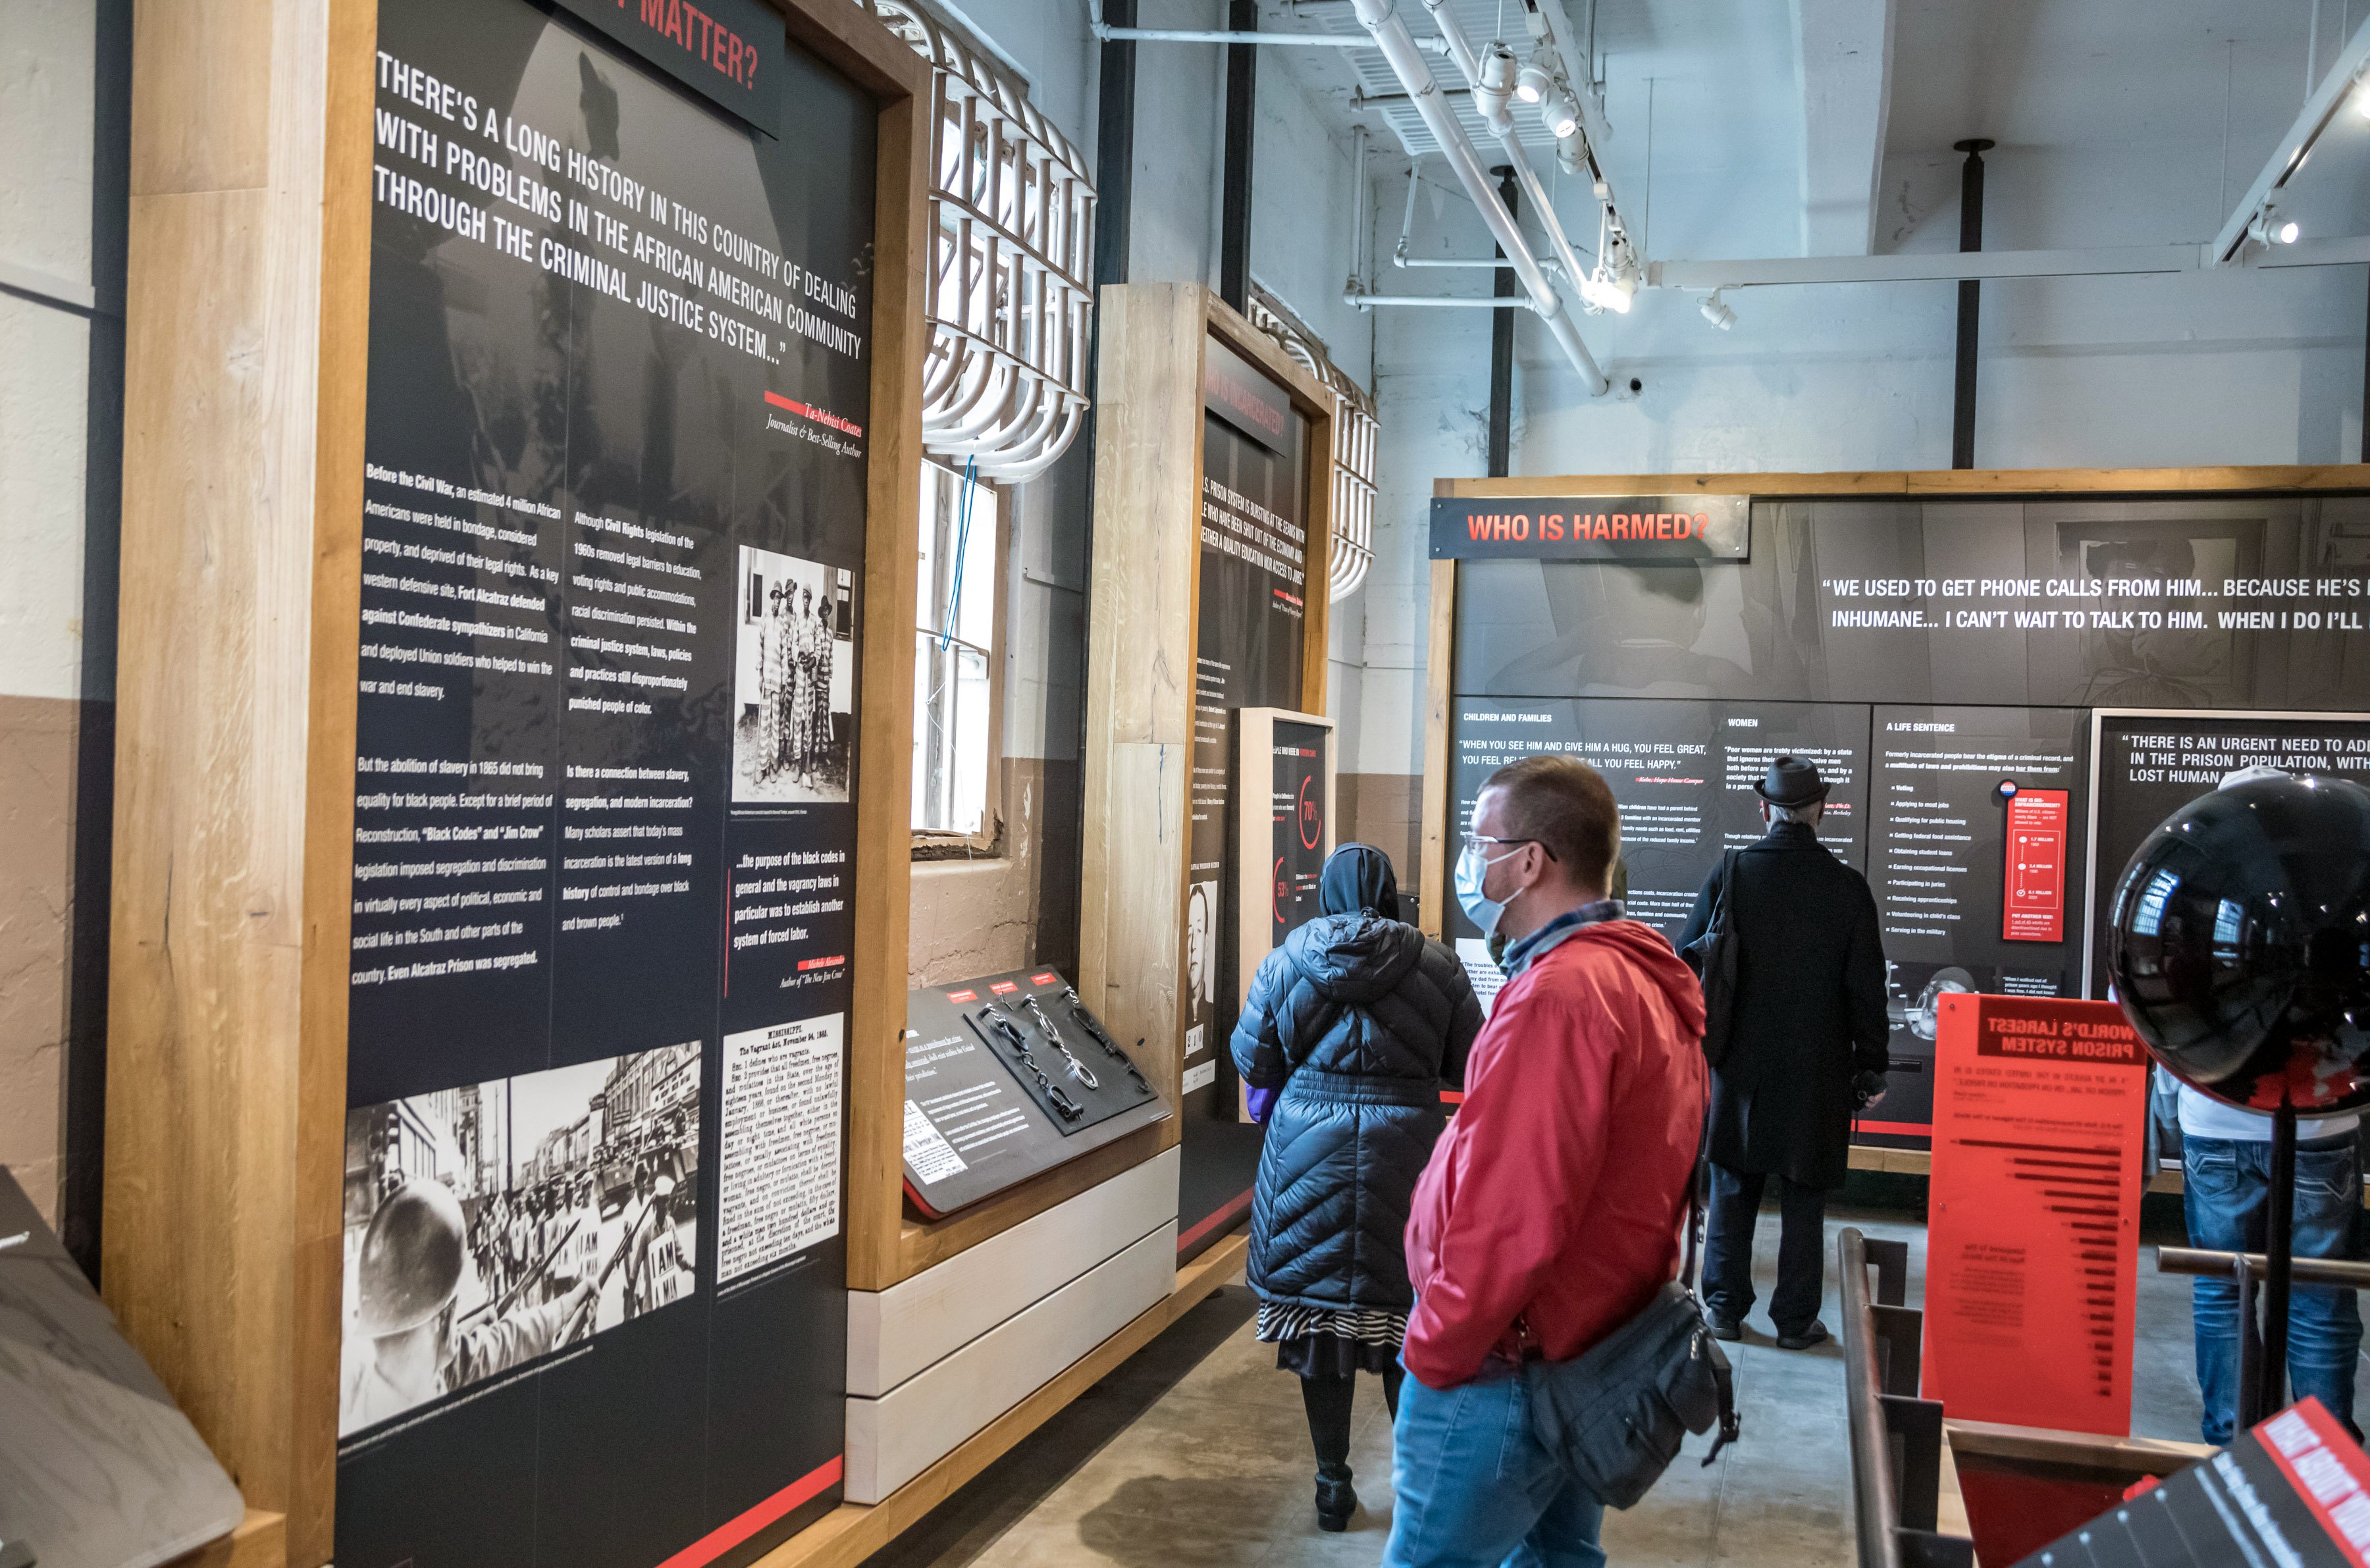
pixel 1353 1027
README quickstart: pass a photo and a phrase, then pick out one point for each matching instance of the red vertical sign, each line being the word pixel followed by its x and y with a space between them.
pixel 2032 1238
pixel 2032 891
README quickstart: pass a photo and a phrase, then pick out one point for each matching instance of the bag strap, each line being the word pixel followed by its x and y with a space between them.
pixel 1723 1376
pixel 1727 883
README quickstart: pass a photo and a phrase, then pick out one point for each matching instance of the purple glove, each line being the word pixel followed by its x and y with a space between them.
pixel 1261 1101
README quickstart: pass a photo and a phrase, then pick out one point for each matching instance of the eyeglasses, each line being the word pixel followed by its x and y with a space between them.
pixel 1474 841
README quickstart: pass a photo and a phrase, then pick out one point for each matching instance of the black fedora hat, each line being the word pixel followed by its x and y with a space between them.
pixel 1791 781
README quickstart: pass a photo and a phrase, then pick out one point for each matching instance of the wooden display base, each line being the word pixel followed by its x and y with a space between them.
pixel 260 1542
pixel 852 1532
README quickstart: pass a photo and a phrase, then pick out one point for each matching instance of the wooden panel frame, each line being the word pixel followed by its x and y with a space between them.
pixel 1144 615
pixel 246 325
pixel 2281 479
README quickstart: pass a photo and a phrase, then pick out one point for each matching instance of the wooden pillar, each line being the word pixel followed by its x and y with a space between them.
pixel 245 319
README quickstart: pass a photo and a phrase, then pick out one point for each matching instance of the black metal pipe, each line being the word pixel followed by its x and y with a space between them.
pixel 1971 302
pixel 1115 196
pixel 1502 342
pixel 1114 150
pixel 2279 1247
pixel 1242 121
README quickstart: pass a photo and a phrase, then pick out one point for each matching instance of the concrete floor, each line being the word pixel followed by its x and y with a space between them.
pixel 1196 1451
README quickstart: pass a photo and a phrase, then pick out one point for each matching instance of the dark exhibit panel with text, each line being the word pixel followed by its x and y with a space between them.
pixel 1941 662
pixel 594 1305
pixel 1252 580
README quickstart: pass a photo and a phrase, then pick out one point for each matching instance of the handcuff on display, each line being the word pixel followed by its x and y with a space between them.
pixel 1095 1032
pixel 1001 1023
pixel 1053 1037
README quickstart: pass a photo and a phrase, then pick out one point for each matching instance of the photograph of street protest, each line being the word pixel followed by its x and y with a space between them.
pixel 793 680
pixel 489 1224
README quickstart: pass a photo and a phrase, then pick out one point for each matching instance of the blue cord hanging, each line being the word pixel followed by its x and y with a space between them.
pixel 963 542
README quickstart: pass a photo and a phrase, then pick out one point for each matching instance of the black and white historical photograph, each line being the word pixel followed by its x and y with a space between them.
pixel 1202 941
pixel 793 681
pixel 491 1223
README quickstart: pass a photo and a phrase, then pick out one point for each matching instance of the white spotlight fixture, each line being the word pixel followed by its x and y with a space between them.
pixel 2362 101
pixel 1497 84
pixel 1559 112
pixel 1532 85
pixel 2269 229
pixel 1716 311
pixel 1608 291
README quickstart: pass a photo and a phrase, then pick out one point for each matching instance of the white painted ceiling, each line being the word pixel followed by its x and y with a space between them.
pixel 2119 122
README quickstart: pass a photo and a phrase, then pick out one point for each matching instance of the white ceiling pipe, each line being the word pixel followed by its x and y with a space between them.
pixel 1110 34
pixel 1450 302
pixel 1380 19
pixel 1399 258
pixel 1358 212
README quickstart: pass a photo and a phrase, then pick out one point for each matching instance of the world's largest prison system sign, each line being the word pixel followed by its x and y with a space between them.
pixel 2004 694
pixel 593 1294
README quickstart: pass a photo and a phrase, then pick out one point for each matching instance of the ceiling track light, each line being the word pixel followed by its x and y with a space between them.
pixel 1496 86
pixel 2270 229
pixel 1534 80
pixel 1716 311
pixel 1601 290
pixel 1559 112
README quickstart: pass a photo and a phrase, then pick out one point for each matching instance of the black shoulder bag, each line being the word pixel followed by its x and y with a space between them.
pixel 1713 958
pixel 1615 1416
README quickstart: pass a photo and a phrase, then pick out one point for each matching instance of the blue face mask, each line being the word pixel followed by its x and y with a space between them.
pixel 1472 870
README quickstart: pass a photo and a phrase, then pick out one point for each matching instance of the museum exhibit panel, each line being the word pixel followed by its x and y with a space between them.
pixel 666 667
pixel 2006 689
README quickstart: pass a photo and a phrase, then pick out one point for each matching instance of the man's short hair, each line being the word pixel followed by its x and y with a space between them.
pixel 1568 808
pixel 1809 810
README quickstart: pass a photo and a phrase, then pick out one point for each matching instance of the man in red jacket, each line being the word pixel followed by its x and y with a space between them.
pixel 1550 1214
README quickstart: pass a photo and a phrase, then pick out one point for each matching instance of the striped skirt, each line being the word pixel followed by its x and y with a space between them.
pixel 1331 1342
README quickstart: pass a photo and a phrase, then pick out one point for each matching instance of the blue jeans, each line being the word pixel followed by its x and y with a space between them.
pixel 1475 1489
pixel 2225 1183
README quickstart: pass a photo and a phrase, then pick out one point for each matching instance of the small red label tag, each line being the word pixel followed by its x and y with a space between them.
pixel 1045 979
pixel 962 996
pixel 1001 986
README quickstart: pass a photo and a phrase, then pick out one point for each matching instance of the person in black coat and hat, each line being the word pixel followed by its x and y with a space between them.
pixel 1806 1044
pixel 1353 1026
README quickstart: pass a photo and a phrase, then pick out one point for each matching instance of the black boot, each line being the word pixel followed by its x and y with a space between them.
pixel 1328 1402
pixel 1335 1498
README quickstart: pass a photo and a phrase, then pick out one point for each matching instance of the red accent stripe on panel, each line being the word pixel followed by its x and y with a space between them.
pixel 727 1536
pixel 1232 1207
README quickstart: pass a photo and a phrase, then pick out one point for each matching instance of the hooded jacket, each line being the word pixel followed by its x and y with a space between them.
pixel 1550 1213
pixel 1359 1018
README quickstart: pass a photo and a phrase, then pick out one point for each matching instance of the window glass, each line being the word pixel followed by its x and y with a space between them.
pixel 954 636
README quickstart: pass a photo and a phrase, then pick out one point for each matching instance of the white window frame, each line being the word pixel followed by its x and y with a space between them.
pixel 989 839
